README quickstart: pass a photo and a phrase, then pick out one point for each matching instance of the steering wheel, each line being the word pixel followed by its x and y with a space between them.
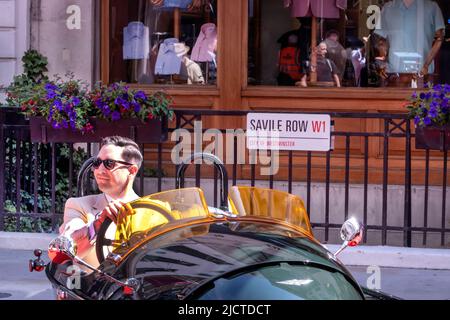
pixel 102 244
pixel 106 233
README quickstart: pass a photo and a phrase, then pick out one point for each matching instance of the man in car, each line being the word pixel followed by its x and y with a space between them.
pixel 115 169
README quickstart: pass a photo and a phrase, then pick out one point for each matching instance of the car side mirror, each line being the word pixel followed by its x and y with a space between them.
pixel 351 233
pixel 61 249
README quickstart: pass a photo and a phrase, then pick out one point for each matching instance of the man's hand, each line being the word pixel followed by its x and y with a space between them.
pixel 110 211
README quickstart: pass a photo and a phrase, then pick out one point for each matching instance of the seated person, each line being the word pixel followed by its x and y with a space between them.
pixel 115 169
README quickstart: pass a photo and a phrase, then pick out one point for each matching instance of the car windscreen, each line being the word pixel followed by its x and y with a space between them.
pixel 269 203
pixel 140 218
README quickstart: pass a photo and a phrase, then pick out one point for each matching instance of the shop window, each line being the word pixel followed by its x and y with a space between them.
pixel 163 41
pixel 348 43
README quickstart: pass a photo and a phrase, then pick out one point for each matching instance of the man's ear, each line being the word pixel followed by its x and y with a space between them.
pixel 133 169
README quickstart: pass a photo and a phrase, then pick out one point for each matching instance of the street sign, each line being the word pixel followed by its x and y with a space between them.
pixel 288 131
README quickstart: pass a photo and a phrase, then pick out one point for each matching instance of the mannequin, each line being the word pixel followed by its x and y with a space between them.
pixel 413 30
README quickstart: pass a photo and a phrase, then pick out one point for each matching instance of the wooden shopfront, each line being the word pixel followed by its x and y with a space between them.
pixel 241 70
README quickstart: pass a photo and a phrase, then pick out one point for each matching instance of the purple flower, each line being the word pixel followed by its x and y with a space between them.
pixel 137 107
pixel 122 102
pixel 115 116
pixel 75 101
pixel 64 123
pixel 50 87
pixel 51 95
pixel 416 120
pixel 56 125
pixel 447 88
pixel 427 121
pixel 67 107
pixel 119 101
pixel 414 95
pixel 106 111
pixel 140 95
pixel 433 112
pixel 58 105
pixel 422 96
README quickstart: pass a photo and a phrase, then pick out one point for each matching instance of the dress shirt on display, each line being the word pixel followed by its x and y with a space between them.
pixel 206 45
pixel 168 61
pixel 136 41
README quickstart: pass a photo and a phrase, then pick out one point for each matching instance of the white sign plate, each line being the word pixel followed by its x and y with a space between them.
pixel 288 131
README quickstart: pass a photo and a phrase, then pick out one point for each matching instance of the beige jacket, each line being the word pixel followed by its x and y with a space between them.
pixel 79 212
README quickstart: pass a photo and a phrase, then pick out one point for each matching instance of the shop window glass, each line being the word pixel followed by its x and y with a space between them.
pixel 348 43
pixel 163 41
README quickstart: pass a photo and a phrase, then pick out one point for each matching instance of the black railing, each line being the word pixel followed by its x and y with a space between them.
pixel 31 172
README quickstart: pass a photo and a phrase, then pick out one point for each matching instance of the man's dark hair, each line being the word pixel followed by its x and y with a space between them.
pixel 131 152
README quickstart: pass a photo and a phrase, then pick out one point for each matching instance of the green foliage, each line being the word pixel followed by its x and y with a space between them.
pixel 153 173
pixel 43 201
pixel 28 87
pixel 35 65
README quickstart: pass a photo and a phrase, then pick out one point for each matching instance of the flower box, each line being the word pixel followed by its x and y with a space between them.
pixel 152 131
pixel 433 137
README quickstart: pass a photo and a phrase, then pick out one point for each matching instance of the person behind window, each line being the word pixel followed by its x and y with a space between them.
pixel 414 31
pixel 336 52
pixel 326 69
pixel 289 63
pixel 115 169
pixel 358 57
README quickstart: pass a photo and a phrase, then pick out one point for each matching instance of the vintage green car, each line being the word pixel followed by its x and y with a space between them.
pixel 170 245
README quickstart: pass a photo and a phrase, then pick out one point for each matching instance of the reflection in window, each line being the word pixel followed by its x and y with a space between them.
pixel 348 43
pixel 163 41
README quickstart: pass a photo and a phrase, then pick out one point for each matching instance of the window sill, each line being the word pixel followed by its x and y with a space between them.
pixel 328 93
pixel 179 89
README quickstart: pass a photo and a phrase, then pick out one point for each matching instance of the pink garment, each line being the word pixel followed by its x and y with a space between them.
pixel 317 8
pixel 206 45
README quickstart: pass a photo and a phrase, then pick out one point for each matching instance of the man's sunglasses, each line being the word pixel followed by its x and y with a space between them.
pixel 108 163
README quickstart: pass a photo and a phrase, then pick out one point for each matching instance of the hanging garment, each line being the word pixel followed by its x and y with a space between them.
pixel 206 45
pixel 317 8
pixel 136 41
pixel 168 61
